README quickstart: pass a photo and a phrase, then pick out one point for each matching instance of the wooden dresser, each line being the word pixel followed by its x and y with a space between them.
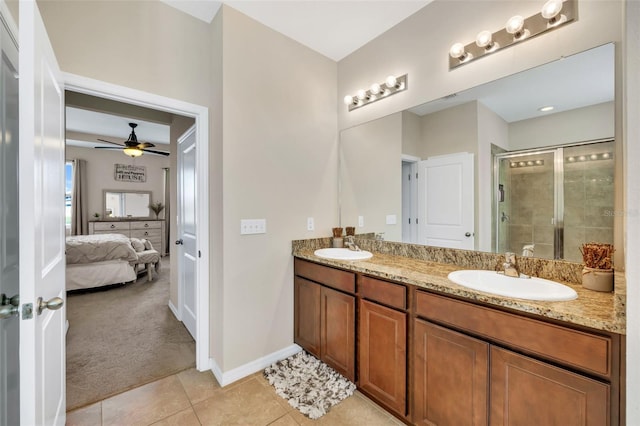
pixel 152 230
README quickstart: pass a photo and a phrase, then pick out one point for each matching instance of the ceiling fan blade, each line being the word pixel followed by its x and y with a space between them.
pixel 145 145
pixel 156 152
pixel 108 147
pixel 114 143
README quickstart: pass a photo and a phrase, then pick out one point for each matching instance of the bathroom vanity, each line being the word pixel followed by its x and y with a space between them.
pixel 432 352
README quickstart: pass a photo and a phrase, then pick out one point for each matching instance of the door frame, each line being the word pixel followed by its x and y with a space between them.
pixel 200 113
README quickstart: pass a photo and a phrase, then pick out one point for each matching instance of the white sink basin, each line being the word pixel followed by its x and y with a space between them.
pixel 520 288
pixel 343 254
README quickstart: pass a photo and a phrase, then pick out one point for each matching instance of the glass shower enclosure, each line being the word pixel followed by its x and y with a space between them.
pixel 548 202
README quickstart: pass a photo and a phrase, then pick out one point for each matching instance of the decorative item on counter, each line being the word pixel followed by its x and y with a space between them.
pixel 96 215
pixel 337 241
pixel 597 273
pixel 156 208
pixel 351 231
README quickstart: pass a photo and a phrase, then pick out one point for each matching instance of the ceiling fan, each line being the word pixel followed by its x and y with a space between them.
pixel 132 147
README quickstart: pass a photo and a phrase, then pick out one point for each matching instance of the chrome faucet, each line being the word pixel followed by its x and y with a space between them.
pixel 349 241
pixel 509 265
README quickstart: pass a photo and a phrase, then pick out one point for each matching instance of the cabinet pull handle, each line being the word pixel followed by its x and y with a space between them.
pixel 146 233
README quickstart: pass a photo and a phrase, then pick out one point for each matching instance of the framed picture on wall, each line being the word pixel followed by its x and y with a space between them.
pixel 130 173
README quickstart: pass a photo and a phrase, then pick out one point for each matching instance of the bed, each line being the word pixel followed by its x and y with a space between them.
pixel 99 260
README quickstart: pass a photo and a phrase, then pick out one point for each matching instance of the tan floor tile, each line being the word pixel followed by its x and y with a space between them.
pixel 87 416
pixel 356 410
pixel 198 385
pixel 248 403
pixel 285 420
pixel 183 418
pixel 146 404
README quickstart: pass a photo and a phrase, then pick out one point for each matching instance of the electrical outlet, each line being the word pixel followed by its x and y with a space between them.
pixel 392 219
pixel 253 226
pixel 360 221
pixel 310 224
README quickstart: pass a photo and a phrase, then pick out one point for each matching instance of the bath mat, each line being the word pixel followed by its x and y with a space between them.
pixel 308 384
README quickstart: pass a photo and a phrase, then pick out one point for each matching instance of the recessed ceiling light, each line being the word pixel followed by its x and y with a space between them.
pixel 545 108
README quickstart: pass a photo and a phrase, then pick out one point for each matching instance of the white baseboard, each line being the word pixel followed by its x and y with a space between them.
pixel 249 368
pixel 175 311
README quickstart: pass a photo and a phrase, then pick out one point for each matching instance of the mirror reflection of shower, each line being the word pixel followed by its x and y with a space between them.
pixel 551 201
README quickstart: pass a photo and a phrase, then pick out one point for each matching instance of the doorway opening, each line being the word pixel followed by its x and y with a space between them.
pixel 199 116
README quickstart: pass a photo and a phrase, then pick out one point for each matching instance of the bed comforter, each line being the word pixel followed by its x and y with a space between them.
pixel 98 248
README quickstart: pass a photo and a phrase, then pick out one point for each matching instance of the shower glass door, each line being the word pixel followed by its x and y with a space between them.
pixel 549 202
pixel 526 204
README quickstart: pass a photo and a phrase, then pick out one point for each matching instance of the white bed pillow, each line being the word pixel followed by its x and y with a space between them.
pixel 138 245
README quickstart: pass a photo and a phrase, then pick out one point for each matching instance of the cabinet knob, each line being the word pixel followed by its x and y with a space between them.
pixel 146 233
pixel 112 225
pixel 146 225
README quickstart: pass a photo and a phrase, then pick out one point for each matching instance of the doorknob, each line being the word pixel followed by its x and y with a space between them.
pixel 9 307
pixel 179 242
pixel 468 234
pixel 53 304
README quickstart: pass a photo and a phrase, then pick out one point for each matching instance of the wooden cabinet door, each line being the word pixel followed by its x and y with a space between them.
pixel 337 333
pixel 382 354
pixel 450 371
pixel 307 315
pixel 529 392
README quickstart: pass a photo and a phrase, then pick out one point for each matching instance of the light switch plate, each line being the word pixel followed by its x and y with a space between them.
pixel 253 226
pixel 360 221
pixel 310 224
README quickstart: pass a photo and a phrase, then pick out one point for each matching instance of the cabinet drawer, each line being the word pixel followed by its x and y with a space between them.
pixel 588 352
pixel 110 226
pixel 148 234
pixel 390 294
pixel 335 278
pixel 146 225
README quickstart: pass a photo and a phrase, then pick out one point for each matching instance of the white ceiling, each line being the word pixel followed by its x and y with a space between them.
pixel 113 128
pixel 334 28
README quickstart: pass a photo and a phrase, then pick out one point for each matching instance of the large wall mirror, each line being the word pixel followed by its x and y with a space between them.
pixel 525 164
pixel 126 204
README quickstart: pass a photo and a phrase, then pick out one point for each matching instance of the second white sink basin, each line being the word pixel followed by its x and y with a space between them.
pixel 521 288
pixel 343 254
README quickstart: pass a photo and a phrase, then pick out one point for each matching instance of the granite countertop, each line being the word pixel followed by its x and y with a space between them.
pixel 598 310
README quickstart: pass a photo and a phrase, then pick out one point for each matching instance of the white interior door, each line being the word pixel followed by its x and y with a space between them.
pixel 187 241
pixel 9 238
pixel 446 201
pixel 41 207
pixel 409 202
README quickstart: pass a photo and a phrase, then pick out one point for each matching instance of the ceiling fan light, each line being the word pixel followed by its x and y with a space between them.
pixel 132 152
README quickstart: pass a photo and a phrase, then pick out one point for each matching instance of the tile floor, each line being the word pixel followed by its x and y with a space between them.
pixel 193 398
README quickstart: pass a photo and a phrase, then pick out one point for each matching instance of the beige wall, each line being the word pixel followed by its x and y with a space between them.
pixel 100 174
pixel 279 163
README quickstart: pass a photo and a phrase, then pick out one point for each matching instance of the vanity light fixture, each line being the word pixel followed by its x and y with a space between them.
pixel 553 14
pixel 528 163
pixel 377 91
pixel 546 108
pixel 591 157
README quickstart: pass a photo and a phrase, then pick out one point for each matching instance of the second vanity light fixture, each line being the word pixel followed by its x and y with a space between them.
pixel 554 14
pixel 390 86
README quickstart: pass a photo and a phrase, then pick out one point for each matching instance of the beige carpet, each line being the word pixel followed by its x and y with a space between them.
pixel 122 338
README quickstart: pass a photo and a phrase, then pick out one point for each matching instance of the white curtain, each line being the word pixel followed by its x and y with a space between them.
pixel 167 210
pixel 79 210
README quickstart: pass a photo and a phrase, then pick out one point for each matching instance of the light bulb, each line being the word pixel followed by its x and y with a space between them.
pixel 551 9
pixel 606 155
pixel 522 163
pixel 483 39
pixel 539 162
pixel 375 89
pixel 514 25
pixel 390 82
pixel 361 94
pixel 594 156
pixel 348 100
pixel 529 163
pixel 582 158
pixel 571 159
pixel 514 164
pixel 457 51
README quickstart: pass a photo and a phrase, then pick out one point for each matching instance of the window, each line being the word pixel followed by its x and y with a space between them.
pixel 68 191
